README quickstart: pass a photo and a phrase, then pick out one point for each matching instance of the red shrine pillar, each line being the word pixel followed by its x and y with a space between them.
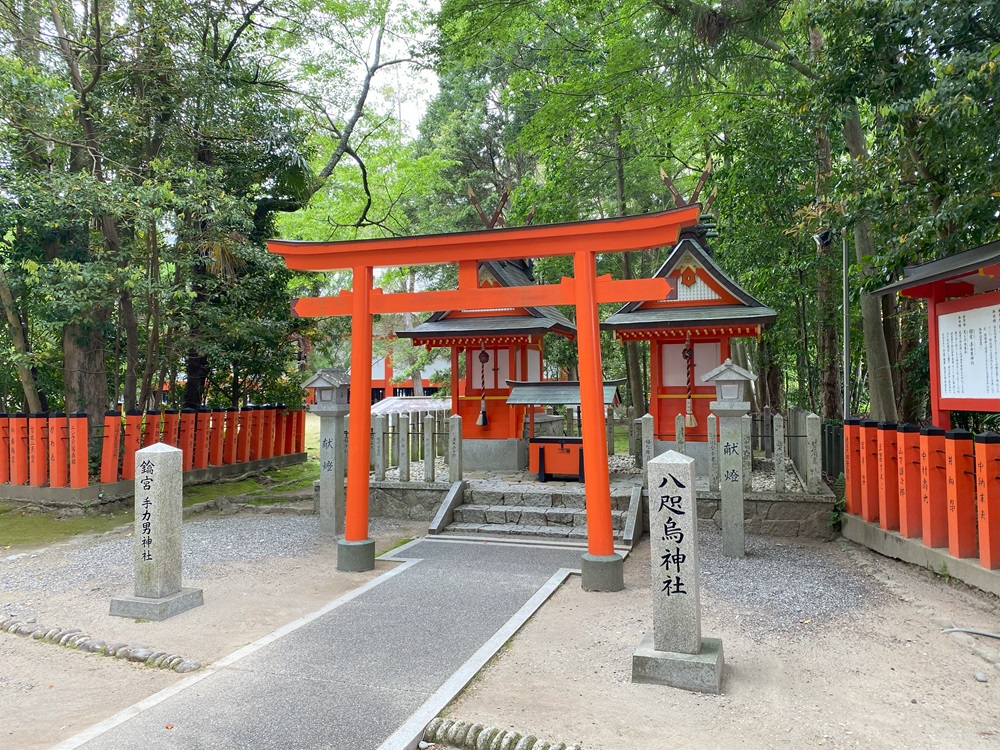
pixel 356 552
pixel 602 567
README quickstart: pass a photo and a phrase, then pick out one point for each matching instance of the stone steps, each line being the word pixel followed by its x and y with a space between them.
pixel 512 510
pixel 537 498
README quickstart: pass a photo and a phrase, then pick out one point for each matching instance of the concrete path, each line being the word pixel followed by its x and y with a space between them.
pixel 366 672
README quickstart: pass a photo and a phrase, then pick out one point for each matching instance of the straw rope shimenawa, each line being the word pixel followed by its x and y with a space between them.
pixel 464 736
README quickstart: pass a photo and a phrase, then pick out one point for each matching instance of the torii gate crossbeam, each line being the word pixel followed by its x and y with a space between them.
pixel 602 567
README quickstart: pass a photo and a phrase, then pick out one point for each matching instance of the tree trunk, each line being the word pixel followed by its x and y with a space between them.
pixel 196 369
pixel 880 387
pixel 131 325
pixel 85 376
pixel 20 343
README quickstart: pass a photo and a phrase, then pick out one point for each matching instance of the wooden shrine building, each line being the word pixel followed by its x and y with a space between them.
pixel 689 333
pixel 495 345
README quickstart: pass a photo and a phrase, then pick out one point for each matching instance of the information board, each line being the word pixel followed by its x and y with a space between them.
pixel 969 353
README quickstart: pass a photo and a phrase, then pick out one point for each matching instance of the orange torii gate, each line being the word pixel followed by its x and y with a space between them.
pixel 602 567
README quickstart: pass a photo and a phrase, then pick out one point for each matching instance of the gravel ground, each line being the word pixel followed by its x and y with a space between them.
pixel 781 586
pixel 209 545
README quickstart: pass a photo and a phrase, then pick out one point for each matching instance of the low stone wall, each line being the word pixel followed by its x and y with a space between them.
pixel 94 496
pixel 770 514
pixel 413 501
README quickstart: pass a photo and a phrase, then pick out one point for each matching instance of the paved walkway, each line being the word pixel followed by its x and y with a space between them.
pixel 368 671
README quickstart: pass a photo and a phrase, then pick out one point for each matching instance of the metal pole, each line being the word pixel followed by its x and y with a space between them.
pixel 847 332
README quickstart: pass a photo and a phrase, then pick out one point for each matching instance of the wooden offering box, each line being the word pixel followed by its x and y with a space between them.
pixel 556 455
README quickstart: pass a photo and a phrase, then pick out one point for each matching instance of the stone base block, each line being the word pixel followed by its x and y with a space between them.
pixel 603 572
pixel 700 673
pixel 157 610
pixel 355 557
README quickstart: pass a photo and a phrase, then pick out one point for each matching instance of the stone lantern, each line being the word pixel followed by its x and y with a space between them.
pixel 731 409
pixel 332 388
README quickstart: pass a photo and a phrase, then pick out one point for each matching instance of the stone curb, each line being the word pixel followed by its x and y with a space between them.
pixel 464 736
pixel 77 639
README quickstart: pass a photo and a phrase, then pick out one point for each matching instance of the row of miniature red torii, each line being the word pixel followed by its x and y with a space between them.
pixel 52 449
pixel 929 484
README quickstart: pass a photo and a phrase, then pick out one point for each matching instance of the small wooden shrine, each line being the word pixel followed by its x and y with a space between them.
pixel 488 348
pixel 689 332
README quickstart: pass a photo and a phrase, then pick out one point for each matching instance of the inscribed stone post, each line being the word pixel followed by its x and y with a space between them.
pixel 675 654
pixel 647 446
pixel 680 434
pixel 747 425
pixel 394 439
pixel 609 422
pixel 379 446
pixel 455 448
pixel 779 453
pixel 404 451
pixel 331 474
pixel 713 452
pixel 731 468
pixel 673 524
pixel 630 421
pixel 768 433
pixel 439 428
pixel 814 456
pixel 415 436
pixel 157 539
pixel 429 456
pixel 568 416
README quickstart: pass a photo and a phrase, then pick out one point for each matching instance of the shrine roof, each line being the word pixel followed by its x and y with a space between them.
pixel 681 317
pixel 497 325
pixel 748 309
pixel 506 273
pixel 965 266
pixel 541 393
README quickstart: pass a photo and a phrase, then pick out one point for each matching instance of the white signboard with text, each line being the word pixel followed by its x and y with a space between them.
pixel 969 353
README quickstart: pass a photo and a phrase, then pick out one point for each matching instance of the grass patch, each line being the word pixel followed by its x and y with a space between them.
pixel 289 477
pixel 400 543
pixel 35 529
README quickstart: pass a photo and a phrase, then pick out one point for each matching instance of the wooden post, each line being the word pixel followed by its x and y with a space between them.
pixel 255 415
pixel 19 448
pixel 58 466
pixel 280 416
pixel 869 470
pixel 185 439
pixel 38 458
pixel 133 436
pixel 217 437
pixel 852 465
pixel 888 476
pixel 171 422
pixel 4 448
pixel 78 450
pixel 267 432
pixel 356 529
pixel 151 429
pixel 203 422
pixel 988 487
pixel 908 456
pixel 110 446
pixel 229 441
pixel 961 465
pixel 933 484
pixel 600 537
pixel 300 430
pixel 243 440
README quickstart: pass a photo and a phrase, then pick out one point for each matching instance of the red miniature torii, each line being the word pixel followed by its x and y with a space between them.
pixel 582 240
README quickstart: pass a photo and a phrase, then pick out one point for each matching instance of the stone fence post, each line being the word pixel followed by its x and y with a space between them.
pixel 404 447
pixel 429 452
pixel 379 446
pixel 779 453
pixel 647 446
pixel 680 434
pixel 455 449
pixel 713 453
pixel 814 458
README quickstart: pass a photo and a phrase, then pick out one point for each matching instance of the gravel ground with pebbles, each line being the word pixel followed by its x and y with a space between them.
pixel 826 644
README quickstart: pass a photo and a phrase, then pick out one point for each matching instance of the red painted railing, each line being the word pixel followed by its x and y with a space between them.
pixel 940 487
pixel 51 449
